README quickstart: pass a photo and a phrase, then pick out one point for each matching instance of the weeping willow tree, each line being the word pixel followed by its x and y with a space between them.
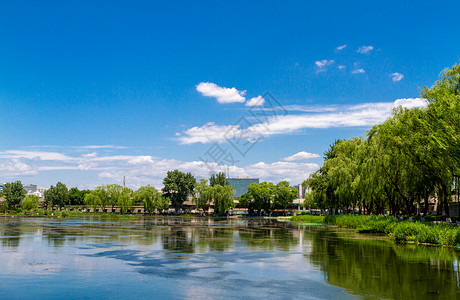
pixel 411 156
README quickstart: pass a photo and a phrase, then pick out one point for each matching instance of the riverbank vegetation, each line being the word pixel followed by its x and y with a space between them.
pixel 410 158
pixel 179 188
pixel 402 231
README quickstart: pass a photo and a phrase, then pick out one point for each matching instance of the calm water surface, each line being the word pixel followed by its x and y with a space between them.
pixel 201 258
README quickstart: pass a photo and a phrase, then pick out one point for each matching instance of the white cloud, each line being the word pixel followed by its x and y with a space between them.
pixel 140 170
pixel 358 71
pixel 256 101
pixel 207 133
pixel 15 167
pixel 323 64
pixel 302 155
pixel 41 155
pixel 341 67
pixel 365 49
pixel 411 102
pixel 341 47
pixel 222 94
pixel 396 76
pixel 360 115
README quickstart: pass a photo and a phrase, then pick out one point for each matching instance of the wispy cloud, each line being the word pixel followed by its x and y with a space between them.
pixel 396 76
pixel 302 155
pixel 365 49
pixel 256 101
pixel 341 67
pixel 101 147
pixel 222 94
pixel 360 115
pixel 85 147
pixel 358 71
pixel 138 170
pixel 339 48
pixel 323 64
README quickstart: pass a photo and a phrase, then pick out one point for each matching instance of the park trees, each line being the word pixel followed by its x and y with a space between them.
pixel 266 196
pixel 259 197
pixel 178 186
pixel 57 195
pixel 412 155
pixel 92 199
pixel 218 179
pixel 76 196
pixel 30 202
pixel 124 200
pixel 221 195
pixel 14 193
pixel 151 199
pixel 284 195
pixel 203 195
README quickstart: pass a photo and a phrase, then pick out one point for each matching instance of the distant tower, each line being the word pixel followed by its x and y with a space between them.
pixel 124 181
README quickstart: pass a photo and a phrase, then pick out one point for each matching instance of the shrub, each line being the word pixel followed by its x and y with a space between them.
pixel 350 221
pixel 379 224
pixel 407 231
pixel 428 234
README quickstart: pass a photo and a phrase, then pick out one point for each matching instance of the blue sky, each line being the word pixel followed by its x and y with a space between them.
pixel 91 91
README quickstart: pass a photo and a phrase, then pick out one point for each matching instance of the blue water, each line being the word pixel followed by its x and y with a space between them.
pixel 174 258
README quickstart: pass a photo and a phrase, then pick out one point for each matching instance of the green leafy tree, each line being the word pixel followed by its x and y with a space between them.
pixel 93 200
pixel 223 199
pixel 218 179
pixel 261 196
pixel 14 193
pixel 203 195
pixel 114 192
pixel 284 195
pixel 178 186
pixel 125 202
pixel 30 202
pixel 412 155
pixel 57 195
pixel 151 199
pixel 76 196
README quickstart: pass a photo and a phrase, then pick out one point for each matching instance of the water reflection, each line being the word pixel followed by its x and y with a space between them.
pixel 383 269
pixel 216 258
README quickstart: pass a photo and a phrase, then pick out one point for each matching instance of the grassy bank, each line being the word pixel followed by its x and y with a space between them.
pixel 63 213
pixel 419 232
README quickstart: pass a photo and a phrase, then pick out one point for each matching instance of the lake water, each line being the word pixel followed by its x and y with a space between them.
pixel 187 258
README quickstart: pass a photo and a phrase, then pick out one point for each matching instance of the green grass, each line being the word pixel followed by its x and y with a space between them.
pixel 40 212
pixel 308 219
pixel 402 231
pixel 347 221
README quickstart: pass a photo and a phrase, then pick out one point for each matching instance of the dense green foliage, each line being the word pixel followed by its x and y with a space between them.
pixel 30 202
pixel 151 199
pixel 266 196
pixel 411 156
pixel 77 197
pixel 218 179
pixel 109 195
pixel 178 186
pixel 57 195
pixel 221 195
pixel 14 193
pixel 402 231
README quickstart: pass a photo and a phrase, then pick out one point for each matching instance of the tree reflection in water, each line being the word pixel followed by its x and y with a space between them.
pixel 383 269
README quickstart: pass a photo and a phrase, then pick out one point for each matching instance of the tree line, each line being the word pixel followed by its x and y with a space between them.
pixel 412 156
pixel 179 187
